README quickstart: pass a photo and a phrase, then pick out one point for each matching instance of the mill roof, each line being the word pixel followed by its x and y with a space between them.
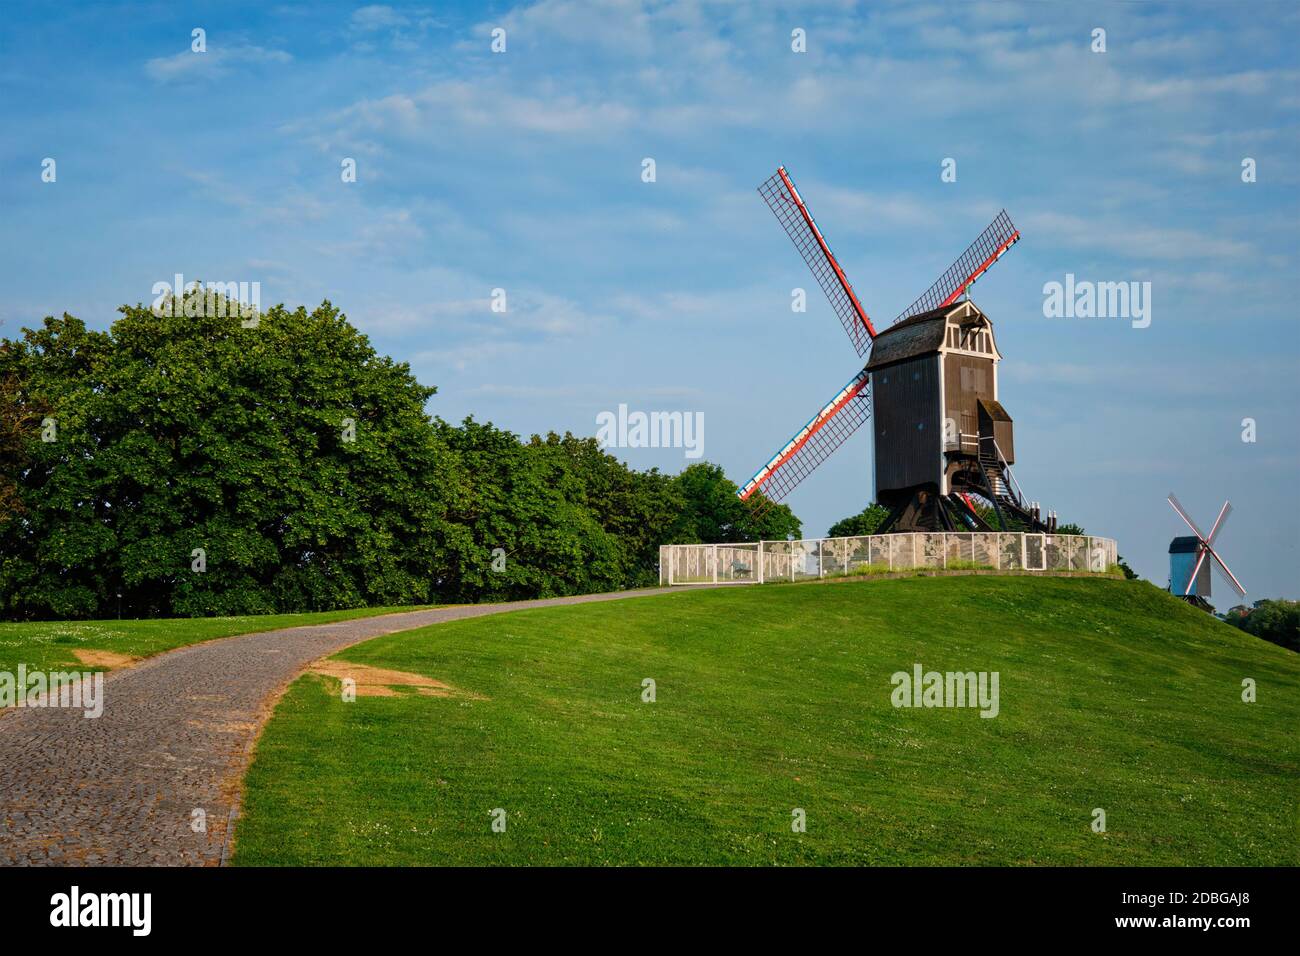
pixel 1187 544
pixel 995 410
pixel 916 335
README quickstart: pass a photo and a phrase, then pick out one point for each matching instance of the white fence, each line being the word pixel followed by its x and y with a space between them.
pixel 756 562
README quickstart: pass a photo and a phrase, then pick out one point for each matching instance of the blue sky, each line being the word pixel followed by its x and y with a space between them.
pixel 522 171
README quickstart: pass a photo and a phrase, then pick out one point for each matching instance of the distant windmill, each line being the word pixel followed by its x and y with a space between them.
pixel 1189 572
pixel 941 434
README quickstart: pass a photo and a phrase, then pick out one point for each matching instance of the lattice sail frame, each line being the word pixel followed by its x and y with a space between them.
pixel 831 427
pixel 990 246
pixel 787 205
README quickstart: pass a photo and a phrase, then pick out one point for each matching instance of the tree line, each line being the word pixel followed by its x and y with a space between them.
pixel 1277 621
pixel 192 465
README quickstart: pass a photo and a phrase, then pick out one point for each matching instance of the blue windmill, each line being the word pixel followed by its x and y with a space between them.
pixel 1189 571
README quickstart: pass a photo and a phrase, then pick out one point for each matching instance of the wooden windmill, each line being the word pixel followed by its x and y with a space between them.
pixel 941 432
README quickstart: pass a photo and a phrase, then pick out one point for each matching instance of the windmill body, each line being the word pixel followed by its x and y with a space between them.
pixel 1189 572
pixel 1191 556
pixel 941 434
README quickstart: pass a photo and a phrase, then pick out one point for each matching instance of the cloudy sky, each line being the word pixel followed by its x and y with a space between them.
pixel 522 171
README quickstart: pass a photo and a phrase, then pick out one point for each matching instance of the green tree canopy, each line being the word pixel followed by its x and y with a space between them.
pixel 192 433
pixel 1277 621
pixel 17 417
pixel 197 466
pixel 864 522
pixel 712 514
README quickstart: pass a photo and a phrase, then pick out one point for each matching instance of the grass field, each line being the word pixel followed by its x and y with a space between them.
pixel 1113 695
pixel 50 644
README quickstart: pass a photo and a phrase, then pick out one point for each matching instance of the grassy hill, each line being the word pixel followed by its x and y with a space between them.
pixel 1113 695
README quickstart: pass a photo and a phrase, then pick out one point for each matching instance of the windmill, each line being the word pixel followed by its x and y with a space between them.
pixel 1189 572
pixel 941 434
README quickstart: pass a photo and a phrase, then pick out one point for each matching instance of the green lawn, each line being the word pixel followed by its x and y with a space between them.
pixel 1113 695
pixel 49 644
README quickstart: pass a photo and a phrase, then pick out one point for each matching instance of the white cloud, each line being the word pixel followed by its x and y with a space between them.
pixel 585 392
pixel 486 105
pixel 404 30
pixel 1246 83
pixel 858 210
pixel 217 61
pixel 460 358
pixel 382 234
pixel 288 206
pixel 1137 240
pixel 473 334
pixel 1164 376
pixel 377 17
pixel 716 307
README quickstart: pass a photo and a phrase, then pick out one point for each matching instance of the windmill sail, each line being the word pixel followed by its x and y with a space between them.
pixel 1205 545
pixel 783 199
pixel 839 418
pixel 987 249
pixel 1232 578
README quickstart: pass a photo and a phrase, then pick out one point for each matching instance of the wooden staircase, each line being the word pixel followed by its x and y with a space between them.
pixel 1006 500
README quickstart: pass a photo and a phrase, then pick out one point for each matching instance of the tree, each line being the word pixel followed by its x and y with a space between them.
pixel 712 514
pixel 202 467
pixel 19 419
pixel 638 508
pixel 864 522
pixel 524 526
pixel 1235 615
pixel 1277 621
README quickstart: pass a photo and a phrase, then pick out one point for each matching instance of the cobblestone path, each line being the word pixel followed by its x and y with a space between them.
pixel 175 736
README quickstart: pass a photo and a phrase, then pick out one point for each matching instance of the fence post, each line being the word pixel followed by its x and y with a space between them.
pixel 821 557
pixel 715 564
pixel 848 551
pixel 760 561
pixel 945 549
pixel 1023 556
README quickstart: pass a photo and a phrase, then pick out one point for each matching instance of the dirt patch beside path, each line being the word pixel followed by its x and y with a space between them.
pixel 380 682
pixel 109 660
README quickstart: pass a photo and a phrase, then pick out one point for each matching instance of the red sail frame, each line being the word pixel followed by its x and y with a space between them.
pixel 781 196
pixel 990 246
pixel 831 427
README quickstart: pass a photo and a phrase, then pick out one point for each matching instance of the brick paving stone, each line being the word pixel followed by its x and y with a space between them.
pixel 175 735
